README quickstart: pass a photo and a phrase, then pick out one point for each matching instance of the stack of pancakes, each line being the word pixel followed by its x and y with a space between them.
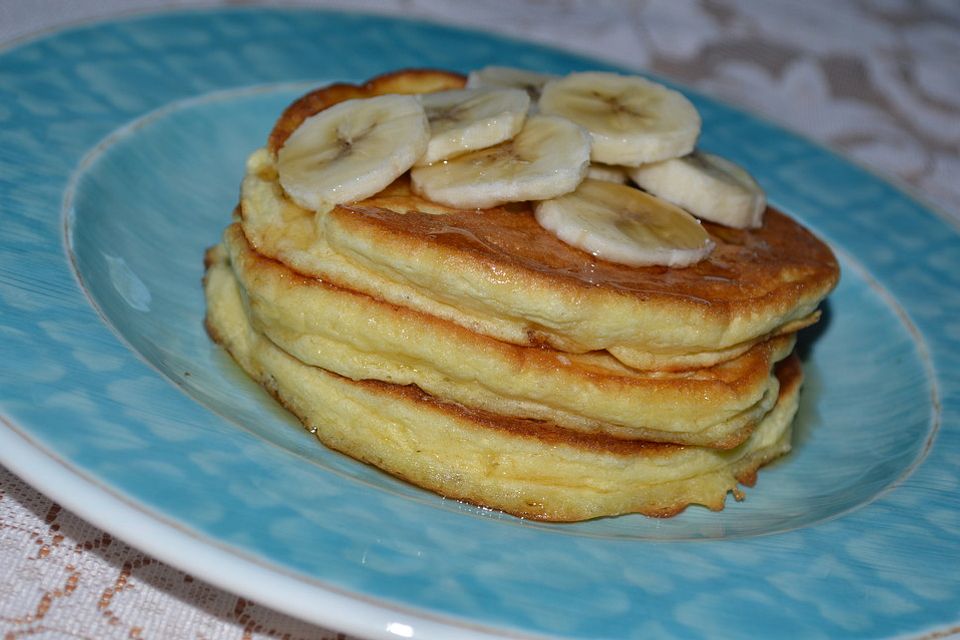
pixel 474 354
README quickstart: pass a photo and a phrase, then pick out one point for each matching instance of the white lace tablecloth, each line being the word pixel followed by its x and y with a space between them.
pixel 877 80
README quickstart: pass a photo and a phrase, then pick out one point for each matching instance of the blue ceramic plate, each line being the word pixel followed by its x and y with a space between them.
pixel 121 150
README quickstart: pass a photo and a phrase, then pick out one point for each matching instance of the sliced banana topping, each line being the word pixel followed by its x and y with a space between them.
pixel 547 158
pixel 708 186
pixel 510 78
pixel 352 150
pixel 608 172
pixel 631 119
pixel 469 119
pixel 486 145
pixel 622 224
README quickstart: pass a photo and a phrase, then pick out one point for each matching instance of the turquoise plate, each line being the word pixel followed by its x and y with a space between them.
pixel 121 149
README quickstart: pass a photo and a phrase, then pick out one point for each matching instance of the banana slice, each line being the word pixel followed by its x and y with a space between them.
pixel 622 224
pixel 548 158
pixel 632 120
pixel 708 186
pixel 510 78
pixel 608 173
pixel 468 119
pixel 352 150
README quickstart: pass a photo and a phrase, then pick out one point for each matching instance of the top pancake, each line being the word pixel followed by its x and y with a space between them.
pixel 498 272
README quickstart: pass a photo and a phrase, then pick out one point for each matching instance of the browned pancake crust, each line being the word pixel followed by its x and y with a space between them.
pixel 772 265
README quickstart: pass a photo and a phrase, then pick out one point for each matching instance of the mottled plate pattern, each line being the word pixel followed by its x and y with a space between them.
pixel 116 404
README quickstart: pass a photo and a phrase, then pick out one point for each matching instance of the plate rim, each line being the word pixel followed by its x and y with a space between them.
pixel 99 504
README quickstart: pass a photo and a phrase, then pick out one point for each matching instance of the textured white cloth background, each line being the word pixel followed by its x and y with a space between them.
pixel 877 80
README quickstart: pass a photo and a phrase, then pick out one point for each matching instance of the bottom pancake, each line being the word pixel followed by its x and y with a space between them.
pixel 524 467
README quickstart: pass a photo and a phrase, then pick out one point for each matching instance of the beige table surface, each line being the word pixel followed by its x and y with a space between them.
pixel 877 80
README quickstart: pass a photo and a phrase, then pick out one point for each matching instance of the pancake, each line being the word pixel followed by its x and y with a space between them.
pixel 474 354
pixel 497 272
pixel 360 337
pixel 527 468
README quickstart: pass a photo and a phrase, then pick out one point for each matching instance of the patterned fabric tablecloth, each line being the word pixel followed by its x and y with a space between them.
pixel 877 80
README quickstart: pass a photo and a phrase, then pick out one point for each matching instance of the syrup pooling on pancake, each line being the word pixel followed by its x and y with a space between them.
pixel 517 366
pixel 500 263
